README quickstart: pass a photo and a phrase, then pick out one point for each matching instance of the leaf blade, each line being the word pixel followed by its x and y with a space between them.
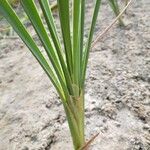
pixel 12 18
pixel 34 17
pixel 63 7
pixel 51 25
pixel 76 41
pixel 89 41
pixel 115 7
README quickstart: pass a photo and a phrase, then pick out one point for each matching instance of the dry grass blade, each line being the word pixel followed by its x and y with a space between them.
pixel 87 144
pixel 100 35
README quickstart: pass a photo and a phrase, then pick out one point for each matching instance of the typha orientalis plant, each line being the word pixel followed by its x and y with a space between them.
pixel 67 61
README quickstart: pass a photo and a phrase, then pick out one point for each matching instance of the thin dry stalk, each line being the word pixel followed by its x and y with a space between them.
pixel 87 144
pixel 100 35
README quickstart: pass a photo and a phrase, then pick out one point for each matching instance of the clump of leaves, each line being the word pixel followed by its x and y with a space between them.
pixel 67 62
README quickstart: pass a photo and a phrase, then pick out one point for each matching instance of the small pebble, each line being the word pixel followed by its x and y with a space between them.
pixel 146 127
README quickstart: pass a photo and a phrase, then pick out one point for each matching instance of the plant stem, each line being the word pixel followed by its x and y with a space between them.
pixel 75 115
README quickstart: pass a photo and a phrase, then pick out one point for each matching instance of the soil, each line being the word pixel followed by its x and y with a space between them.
pixel 117 90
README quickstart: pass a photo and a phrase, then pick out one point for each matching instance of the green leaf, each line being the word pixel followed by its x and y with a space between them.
pixel 82 29
pixel 51 25
pixel 89 41
pixel 10 15
pixel 82 38
pixel 63 7
pixel 34 17
pixel 76 41
pixel 115 7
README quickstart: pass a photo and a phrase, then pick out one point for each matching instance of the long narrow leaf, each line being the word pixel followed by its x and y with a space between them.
pixel 33 15
pixel 76 41
pixel 63 6
pixel 82 37
pixel 51 25
pixel 115 7
pixel 89 41
pixel 82 27
pixel 45 6
pixel 10 15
